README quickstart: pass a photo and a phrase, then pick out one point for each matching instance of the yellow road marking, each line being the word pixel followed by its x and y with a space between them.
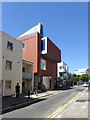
pixel 65 105
pixel 33 100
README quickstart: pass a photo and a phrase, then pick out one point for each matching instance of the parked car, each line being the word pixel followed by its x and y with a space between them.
pixel 86 84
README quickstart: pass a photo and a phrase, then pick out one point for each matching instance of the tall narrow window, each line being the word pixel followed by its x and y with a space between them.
pixel 10 45
pixel 23 45
pixel 8 65
pixel 23 69
pixel 43 64
pixel 42 44
pixel 41 30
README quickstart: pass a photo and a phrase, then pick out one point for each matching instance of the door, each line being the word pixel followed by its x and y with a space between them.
pixel 50 83
pixel 1 88
pixel 23 87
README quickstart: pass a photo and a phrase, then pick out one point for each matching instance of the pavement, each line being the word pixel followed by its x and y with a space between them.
pixel 8 101
pixel 12 100
pixel 78 109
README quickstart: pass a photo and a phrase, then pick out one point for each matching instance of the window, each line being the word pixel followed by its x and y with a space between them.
pixel 60 74
pixel 8 84
pixel 23 69
pixel 8 65
pixel 10 45
pixel 23 45
pixel 43 64
pixel 61 67
pixel 42 44
pixel 41 30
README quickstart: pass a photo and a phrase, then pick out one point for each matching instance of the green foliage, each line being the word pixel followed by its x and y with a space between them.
pixel 84 77
pixel 88 77
pixel 79 78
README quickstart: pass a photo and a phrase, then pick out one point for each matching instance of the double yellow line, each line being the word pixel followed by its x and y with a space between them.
pixel 64 106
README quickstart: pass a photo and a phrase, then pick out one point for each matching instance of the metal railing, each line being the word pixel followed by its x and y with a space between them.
pixel 26 75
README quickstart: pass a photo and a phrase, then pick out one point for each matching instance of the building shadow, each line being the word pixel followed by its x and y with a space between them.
pixel 19 105
pixel 64 88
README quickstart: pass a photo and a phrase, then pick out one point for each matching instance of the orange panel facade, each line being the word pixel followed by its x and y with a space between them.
pixel 32 53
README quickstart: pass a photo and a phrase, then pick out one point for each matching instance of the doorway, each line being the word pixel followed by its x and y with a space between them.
pixel 23 87
pixel 50 83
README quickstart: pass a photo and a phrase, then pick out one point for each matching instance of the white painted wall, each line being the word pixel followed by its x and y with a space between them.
pixel 29 67
pixel 62 68
pixel 81 71
pixel 15 75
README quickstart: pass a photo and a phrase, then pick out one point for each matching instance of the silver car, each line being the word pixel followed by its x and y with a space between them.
pixel 86 84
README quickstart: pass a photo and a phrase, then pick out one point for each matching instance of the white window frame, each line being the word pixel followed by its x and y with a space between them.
pixel 8 66
pixel 7 83
pixel 8 45
pixel 44 51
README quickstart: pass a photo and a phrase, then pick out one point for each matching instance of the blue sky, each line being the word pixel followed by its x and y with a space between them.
pixel 65 23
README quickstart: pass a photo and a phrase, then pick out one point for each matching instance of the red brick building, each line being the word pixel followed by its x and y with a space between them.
pixel 44 54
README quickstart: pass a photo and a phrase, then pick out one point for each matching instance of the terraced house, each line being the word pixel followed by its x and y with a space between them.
pixel 14 69
pixel 43 53
pixel 11 64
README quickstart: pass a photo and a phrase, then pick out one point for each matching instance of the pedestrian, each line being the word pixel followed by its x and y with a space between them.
pixel 17 88
pixel 39 85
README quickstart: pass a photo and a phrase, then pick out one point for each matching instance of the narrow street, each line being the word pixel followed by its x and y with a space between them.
pixel 47 106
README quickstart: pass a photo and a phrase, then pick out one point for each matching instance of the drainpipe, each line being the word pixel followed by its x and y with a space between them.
pixel 32 77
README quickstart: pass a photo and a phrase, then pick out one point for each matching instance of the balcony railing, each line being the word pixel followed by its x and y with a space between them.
pixel 26 76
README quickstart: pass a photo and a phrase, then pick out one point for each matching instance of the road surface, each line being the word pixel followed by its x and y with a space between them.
pixel 47 106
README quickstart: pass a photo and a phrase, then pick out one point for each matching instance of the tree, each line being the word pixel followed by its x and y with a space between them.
pixel 74 78
pixel 84 77
pixel 79 78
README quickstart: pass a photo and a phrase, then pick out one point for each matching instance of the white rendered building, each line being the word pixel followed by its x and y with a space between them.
pixel 62 70
pixel 27 76
pixel 11 64
pixel 81 71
